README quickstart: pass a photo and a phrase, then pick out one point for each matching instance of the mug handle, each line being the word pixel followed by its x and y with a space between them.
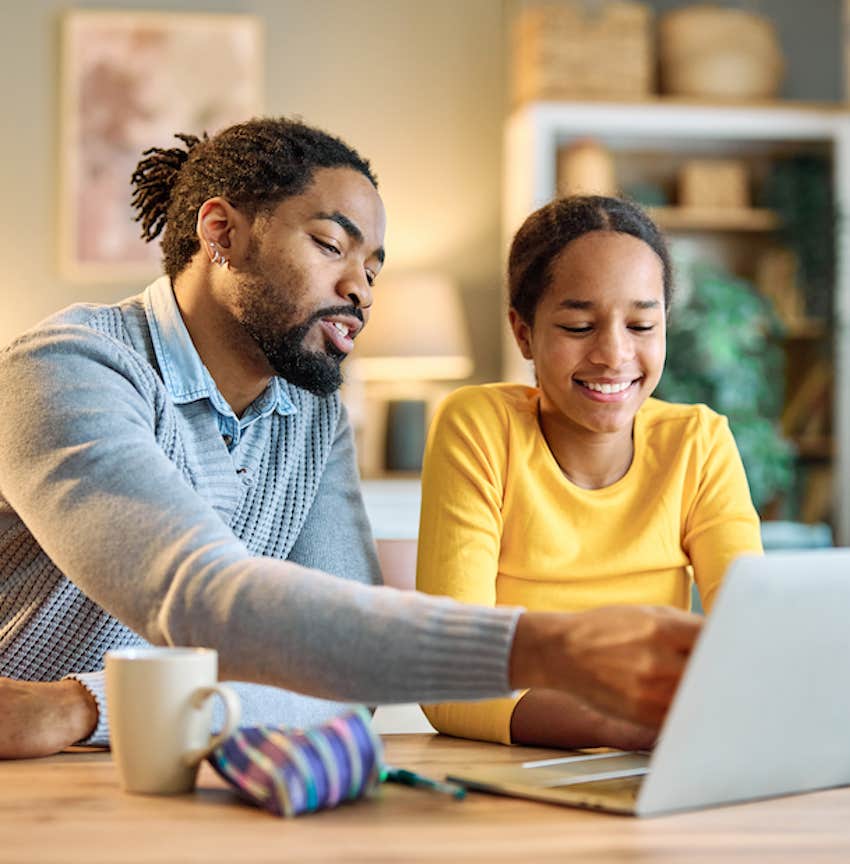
pixel 232 711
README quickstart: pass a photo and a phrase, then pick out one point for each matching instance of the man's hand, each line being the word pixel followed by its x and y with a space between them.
pixel 38 719
pixel 624 661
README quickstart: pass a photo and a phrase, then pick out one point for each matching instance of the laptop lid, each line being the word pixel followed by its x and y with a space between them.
pixel 764 707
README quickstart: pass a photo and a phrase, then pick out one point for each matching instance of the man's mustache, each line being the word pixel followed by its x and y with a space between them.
pixel 329 311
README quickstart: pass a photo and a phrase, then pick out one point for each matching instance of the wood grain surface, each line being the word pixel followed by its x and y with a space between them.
pixel 69 809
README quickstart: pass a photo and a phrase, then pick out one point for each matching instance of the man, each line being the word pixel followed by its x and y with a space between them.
pixel 178 469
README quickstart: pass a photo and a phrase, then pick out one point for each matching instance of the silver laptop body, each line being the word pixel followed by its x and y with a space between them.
pixel 763 708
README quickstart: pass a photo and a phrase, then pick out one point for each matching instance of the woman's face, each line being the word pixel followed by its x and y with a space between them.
pixel 598 339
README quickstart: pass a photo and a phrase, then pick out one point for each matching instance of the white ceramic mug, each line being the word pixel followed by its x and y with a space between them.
pixel 160 715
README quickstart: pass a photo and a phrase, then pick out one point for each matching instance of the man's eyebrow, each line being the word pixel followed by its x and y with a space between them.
pixel 350 228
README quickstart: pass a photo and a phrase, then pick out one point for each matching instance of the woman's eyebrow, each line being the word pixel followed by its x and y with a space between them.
pixel 571 303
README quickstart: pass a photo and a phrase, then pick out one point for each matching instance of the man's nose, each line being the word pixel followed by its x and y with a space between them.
pixel 354 287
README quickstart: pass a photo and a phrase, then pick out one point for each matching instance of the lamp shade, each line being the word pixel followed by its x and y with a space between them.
pixel 416 330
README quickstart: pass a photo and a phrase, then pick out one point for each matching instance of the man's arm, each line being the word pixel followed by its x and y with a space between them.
pixel 620 664
pixel 42 718
pixel 83 429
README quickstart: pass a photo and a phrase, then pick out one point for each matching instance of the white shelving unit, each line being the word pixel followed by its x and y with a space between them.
pixel 535 132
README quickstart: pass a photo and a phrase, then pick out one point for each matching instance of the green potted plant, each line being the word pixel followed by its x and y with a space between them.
pixel 723 350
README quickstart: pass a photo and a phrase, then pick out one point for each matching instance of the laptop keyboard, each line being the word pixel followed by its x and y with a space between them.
pixel 575 770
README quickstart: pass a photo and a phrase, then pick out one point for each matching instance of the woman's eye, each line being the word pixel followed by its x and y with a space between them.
pixel 328 247
pixel 370 278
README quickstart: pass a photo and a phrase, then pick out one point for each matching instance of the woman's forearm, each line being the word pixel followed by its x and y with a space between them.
pixel 551 718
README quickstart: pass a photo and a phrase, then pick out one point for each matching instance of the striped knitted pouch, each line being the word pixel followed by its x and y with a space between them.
pixel 292 771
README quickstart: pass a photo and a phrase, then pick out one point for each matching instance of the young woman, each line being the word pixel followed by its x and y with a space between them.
pixel 582 491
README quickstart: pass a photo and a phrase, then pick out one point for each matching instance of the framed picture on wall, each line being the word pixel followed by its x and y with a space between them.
pixel 130 81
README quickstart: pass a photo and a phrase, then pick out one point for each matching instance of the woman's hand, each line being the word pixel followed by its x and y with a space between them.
pixel 551 718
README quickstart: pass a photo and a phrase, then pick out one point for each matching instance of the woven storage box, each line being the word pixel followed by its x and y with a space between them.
pixel 714 183
pixel 572 49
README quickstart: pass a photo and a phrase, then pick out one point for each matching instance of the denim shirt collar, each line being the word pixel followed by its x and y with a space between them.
pixel 183 372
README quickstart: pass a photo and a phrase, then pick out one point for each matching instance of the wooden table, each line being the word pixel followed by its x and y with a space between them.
pixel 69 809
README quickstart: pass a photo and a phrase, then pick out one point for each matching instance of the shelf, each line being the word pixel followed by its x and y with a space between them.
pixel 815 447
pixel 714 219
pixel 652 100
pixel 811 328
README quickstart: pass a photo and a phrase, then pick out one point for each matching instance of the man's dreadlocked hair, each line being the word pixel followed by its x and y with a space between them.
pixel 253 165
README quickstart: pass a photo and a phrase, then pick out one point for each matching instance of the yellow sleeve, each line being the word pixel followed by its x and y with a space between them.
pixel 721 523
pixel 460 532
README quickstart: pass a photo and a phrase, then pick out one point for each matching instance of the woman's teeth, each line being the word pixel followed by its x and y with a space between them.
pixel 607 388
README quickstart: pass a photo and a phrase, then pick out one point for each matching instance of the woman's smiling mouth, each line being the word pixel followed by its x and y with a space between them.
pixel 608 390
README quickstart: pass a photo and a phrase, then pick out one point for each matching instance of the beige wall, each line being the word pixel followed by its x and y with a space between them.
pixel 416 86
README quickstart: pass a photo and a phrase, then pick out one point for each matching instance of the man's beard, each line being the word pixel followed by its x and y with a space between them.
pixel 316 371
pixel 272 322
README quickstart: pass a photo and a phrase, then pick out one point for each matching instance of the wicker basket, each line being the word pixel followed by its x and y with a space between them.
pixel 707 51
pixel 714 183
pixel 572 49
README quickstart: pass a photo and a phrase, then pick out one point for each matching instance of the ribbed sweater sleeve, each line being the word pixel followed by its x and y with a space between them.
pixel 84 462
pixel 95 683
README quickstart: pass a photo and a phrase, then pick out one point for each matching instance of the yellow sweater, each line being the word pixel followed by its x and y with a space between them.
pixel 502 525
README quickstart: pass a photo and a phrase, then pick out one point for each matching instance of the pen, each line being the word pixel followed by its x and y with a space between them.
pixel 411 778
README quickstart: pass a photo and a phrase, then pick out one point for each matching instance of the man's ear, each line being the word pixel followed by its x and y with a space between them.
pixel 223 232
pixel 522 333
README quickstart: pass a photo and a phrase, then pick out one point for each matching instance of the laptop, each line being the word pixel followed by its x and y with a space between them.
pixel 762 710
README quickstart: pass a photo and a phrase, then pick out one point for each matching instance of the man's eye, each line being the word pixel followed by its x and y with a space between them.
pixel 583 328
pixel 641 328
pixel 370 277
pixel 328 247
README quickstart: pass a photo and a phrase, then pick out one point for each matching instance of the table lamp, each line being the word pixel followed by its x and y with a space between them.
pixel 416 334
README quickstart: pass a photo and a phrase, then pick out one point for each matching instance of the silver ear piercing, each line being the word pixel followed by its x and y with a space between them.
pixel 217 257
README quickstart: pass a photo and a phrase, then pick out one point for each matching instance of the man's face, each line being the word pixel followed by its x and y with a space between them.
pixel 304 290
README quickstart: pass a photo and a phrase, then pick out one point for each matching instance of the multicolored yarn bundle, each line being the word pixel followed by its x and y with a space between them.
pixel 292 771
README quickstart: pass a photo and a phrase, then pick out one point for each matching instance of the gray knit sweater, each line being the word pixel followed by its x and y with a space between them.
pixel 124 518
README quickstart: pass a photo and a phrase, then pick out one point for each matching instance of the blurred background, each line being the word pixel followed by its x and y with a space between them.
pixel 729 120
